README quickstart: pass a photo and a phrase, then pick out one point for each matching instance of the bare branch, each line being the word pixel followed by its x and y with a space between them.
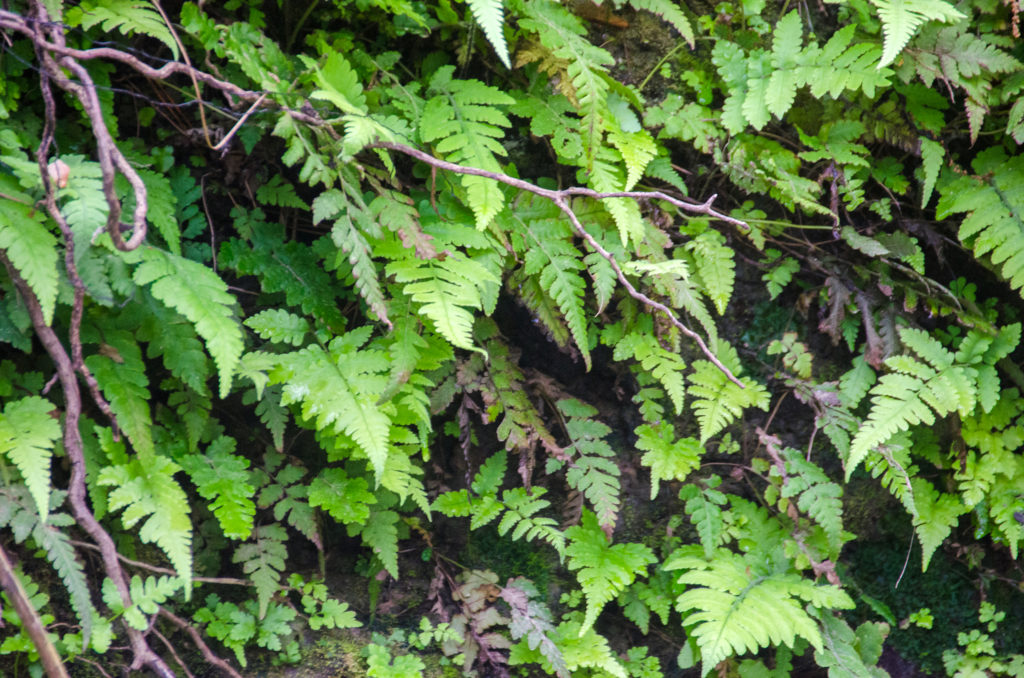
pixel 30 620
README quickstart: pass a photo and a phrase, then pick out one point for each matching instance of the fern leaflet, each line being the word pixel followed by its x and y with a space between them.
pixel 127 16
pixel 148 490
pixel 223 478
pixel 718 401
pixel 669 458
pixel 491 17
pixel 263 561
pixel 465 122
pixel 901 19
pixel 32 250
pixel 27 434
pixel 603 569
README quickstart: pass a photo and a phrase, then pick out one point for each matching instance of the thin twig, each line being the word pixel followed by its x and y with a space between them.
pixel 231 581
pixel 560 199
pixel 241 121
pixel 197 638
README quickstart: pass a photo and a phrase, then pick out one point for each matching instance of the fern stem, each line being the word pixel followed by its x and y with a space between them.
pixel 643 83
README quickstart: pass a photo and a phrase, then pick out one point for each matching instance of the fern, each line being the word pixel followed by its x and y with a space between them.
pixel 668 458
pixel 901 19
pixel 120 371
pixel 671 13
pixel 531 622
pixel 580 647
pixel 279 192
pixel 447 289
pixel 703 507
pixel 548 249
pixel 716 266
pixel 345 499
pixel 262 560
pixel 200 295
pixel 718 401
pixel 380 533
pixel 916 392
pixel 520 507
pixel 351 224
pixel 490 15
pixel 592 469
pixel 737 609
pixel 665 366
pixel 937 515
pixel 31 249
pixel 147 490
pixel 464 121
pixel 850 653
pixel 127 16
pixel 222 478
pixel 339 391
pixel 994 203
pixel 28 432
pixel 603 570
pixel 817 496
pixel 280 326
pixel 23 519
pixel 147 595
pixel 171 337
pixel 162 204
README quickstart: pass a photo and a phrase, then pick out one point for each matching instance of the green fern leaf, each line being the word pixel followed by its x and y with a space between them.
pixel 901 19
pixel 147 596
pixel 718 401
pixel 850 654
pixel 200 295
pixel 932 154
pixel 937 515
pixel 465 122
pixel 637 150
pixel 702 505
pixel 121 374
pixel 171 337
pixel 914 394
pixel 818 496
pixel 520 507
pixel 27 434
pixel 223 479
pixel 491 474
pixel 381 534
pixel 262 560
pixel 354 250
pixel 491 17
pixel 603 569
pixel 22 517
pixel 668 458
pixel 665 366
pixel 280 326
pixel 148 490
pixel 127 16
pixel 784 80
pixel 280 193
pixel 994 203
pixel 593 470
pixel 31 249
pixel 447 289
pixel 346 499
pixel 716 266
pixel 340 390
pixel 738 610
pixel 163 207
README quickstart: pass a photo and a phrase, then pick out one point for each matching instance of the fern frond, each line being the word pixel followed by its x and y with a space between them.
pixel 669 458
pixel 147 595
pixel 603 569
pixel 901 19
pixel 223 479
pixel 31 249
pixel 121 374
pixel 937 515
pixel 491 17
pixel 447 289
pixel 818 496
pixel 127 16
pixel 465 123
pixel 718 401
pixel 380 533
pixel 592 470
pixel 994 203
pixel 520 507
pixel 163 208
pixel 915 393
pixel 665 366
pixel 28 432
pixel 200 295
pixel 340 391
pixel 737 610
pixel 148 490
pixel 262 560
pixel 279 326
pixel 703 507
pixel 715 265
